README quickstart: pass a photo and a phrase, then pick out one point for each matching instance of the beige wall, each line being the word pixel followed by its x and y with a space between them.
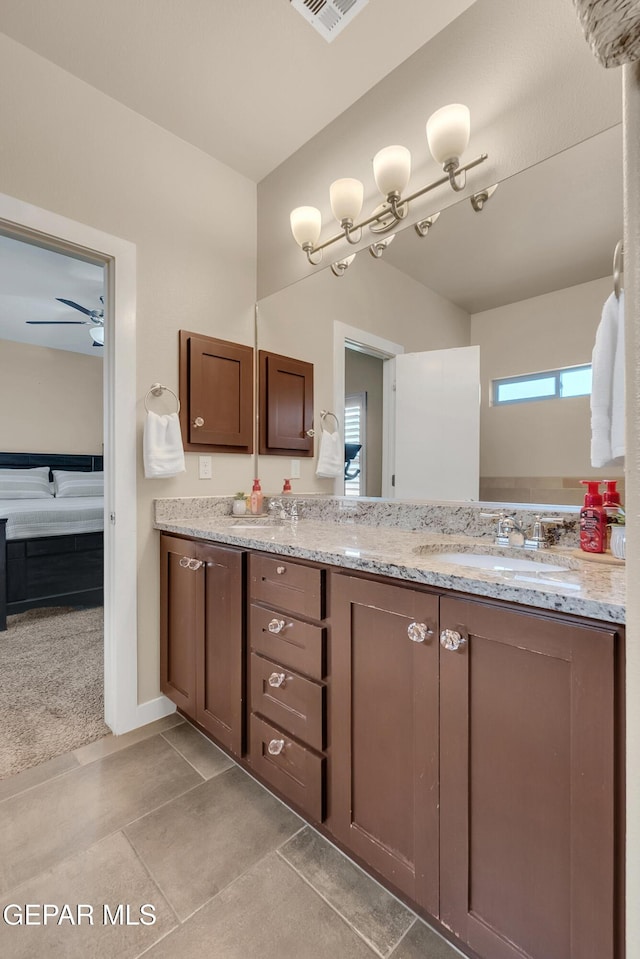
pixel 363 374
pixel 51 400
pixel 79 153
pixel 526 73
pixel 372 296
pixel 548 438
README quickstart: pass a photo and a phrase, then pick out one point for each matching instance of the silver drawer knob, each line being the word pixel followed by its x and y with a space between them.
pixel 195 563
pixel 280 570
pixel 418 632
pixel 276 625
pixel 275 747
pixel 184 561
pixel 276 679
pixel 451 639
pixel 199 421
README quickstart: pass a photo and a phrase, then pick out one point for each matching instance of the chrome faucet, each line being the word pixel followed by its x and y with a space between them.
pixel 283 509
pixel 510 533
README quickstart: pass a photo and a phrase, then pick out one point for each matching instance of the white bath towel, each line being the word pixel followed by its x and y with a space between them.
pixel 331 455
pixel 607 390
pixel 162 449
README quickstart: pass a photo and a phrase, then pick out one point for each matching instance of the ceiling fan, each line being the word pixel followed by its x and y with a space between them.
pixel 95 320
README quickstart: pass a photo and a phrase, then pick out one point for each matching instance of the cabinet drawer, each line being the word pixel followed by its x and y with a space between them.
pixel 288 585
pixel 296 771
pixel 295 644
pixel 288 699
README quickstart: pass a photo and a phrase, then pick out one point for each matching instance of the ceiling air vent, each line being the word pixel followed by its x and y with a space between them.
pixel 329 17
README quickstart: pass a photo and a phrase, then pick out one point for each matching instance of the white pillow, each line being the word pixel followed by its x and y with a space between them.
pixel 78 483
pixel 25 483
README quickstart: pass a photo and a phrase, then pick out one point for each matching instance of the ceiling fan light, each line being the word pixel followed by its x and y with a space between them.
pixel 392 169
pixel 347 196
pixel 306 223
pixel 97 335
pixel 448 131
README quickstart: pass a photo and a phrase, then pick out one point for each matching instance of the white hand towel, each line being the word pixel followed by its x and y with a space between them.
pixel 162 449
pixel 331 455
pixel 607 390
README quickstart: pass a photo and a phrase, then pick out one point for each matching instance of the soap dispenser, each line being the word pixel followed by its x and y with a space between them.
pixel 611 506
pixel 256 498
pixel 593 520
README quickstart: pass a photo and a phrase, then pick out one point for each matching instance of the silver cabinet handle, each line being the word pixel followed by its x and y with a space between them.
pixel 199 421
pixel 451 639
pixel 195 563
pixel 418 632
pixel 184 561
pixel 311 432
pixel 276 679
pixel 276 625
pixel 280 570
pixel 275 747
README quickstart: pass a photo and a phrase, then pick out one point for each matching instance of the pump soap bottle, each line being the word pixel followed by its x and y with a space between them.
pixel 256 498
pixel 593 520
pixel 611 506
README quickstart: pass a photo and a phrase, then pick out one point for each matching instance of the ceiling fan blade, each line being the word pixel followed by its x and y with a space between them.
pixel 56 322
pixel 76 306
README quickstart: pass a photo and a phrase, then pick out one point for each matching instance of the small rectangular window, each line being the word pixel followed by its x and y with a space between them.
pixel 548 385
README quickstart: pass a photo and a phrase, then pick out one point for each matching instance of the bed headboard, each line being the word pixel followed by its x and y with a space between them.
pixel 58 461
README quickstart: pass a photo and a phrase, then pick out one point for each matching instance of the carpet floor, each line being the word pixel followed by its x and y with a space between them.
pixel 51 685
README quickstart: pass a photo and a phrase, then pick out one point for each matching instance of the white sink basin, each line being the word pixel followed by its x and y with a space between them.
pixel 500 564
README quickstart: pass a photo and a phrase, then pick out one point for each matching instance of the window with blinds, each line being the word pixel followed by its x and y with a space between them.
pixel 355 426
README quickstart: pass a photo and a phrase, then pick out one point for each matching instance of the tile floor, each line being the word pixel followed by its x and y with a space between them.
pixel 162 817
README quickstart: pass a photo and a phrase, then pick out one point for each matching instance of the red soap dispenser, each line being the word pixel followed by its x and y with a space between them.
pixel 611 506
pixel 256 498
pixel 593 520
pixel 287 486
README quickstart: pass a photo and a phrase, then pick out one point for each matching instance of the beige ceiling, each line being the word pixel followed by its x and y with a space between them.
pixel 247 81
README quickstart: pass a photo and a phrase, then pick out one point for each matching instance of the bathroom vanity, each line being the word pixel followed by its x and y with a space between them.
pixel 456 730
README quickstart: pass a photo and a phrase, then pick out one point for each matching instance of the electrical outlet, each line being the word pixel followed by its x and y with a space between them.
pixel 205 467
pixel 295 469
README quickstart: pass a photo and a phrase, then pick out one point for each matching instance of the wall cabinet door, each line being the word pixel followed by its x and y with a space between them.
pixel 216 394
pixel 527 784
pixel 384 731
pixel 286 405
pixel 202 635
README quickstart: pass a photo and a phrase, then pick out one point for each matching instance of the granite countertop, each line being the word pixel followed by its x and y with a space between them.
pixel 588 589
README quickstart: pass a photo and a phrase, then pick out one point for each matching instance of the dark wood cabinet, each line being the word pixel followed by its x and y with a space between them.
pixel 384 731
pixel 527 784
pixel 202 635
pixel 216 394
pixel 286 405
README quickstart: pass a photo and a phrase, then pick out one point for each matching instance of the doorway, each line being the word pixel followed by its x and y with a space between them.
pixel 363 422
pixel 118 256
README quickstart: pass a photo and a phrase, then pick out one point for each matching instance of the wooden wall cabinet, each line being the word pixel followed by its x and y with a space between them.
pixel 202 635
pixel 216 394
pixel 286 405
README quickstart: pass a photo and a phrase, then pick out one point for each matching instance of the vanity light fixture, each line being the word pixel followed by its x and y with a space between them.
pixel 479 199
pixel 448 132
pixel 422 227
pixel 340 267
pixel 377 249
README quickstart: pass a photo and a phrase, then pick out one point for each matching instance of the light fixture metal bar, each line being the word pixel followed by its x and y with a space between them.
pixel 413 196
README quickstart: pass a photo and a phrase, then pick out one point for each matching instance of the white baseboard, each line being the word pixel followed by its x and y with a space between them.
pixel 145 713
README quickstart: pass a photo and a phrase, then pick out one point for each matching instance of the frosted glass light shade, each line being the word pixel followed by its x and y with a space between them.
pixel 306 223
pixel 392 169
pixel 448 131
pixel 97 334
pixel 347 196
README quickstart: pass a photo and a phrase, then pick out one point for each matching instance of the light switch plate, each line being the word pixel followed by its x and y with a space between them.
pixel 205 467
pixel 295 469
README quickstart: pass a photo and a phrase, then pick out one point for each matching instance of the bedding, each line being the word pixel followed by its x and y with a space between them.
pixel 78 483
pixel 33 518
pixel 25 484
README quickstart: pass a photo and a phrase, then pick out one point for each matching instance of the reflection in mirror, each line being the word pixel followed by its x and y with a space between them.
pixel 523 280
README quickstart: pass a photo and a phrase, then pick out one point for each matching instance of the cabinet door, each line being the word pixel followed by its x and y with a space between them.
pixel 216 394
pixel 220 653
pixel 181 620
pixel 527 784
pixel 384 731
pixel 286 405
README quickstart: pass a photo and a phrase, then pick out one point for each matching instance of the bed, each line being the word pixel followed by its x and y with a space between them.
pixel 51 549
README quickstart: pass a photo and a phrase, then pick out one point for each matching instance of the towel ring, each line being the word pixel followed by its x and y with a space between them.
pixel 618 268
pixel 157 389
pixel 324 413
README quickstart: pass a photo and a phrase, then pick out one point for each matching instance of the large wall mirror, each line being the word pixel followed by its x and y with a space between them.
pixel 519 285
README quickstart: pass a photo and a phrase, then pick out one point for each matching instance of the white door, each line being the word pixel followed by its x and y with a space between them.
pixel 437 424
